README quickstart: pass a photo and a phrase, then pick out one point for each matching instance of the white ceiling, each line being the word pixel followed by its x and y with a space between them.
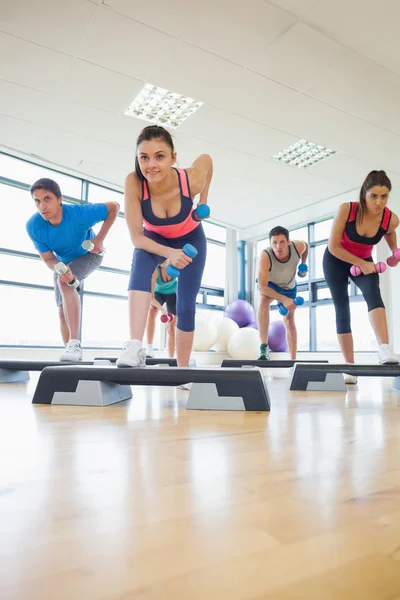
pixel 269 73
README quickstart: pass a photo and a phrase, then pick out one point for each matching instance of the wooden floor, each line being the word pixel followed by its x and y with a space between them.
pixel 145 500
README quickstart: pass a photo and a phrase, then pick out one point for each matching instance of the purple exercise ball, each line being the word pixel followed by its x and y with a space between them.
pixel 241 312
pixel 277 337
pixel 253 325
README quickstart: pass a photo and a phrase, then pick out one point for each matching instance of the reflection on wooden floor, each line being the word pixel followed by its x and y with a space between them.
pixel 145 500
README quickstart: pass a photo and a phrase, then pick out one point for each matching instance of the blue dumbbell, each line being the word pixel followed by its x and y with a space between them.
pixel 201 212
pixel 299 300
pixel 190 251
pixel 303 270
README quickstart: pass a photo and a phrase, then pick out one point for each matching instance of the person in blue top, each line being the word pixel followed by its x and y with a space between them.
pixel 57 231
pixel 163 289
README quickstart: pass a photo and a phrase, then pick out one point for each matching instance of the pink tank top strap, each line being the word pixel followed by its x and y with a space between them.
pixel 145 190
pixel 183 178
pixel 353 211
pixel 386 219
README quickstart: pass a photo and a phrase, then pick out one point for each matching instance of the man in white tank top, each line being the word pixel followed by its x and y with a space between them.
pixel 277 270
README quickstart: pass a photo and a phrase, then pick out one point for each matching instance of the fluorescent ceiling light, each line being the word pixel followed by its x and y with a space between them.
pixel 161 106
pixel 303 154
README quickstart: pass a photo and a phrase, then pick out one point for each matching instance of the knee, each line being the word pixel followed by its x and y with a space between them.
pixel 186 320
pixel 153 312
pixel 265 302
pixel 64 288
pixel 343 324
pixel 290 323
pixel 373 299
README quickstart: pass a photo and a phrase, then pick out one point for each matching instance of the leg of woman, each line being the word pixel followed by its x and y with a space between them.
pixel 139 296
pixel 369 286
pixel 171 338
pixel 171 327
pixel 150 328
pixel 189 282
pixel 336 273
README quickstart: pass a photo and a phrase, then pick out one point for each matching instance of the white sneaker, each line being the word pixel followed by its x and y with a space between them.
pixel 386 355
pixel 132 355
pixel 185 386
pixel 72 352
pixel 350 379
pixel 150 353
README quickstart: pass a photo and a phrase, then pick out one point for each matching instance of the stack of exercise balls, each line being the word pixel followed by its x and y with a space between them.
pixel 244 343
pixel 236 332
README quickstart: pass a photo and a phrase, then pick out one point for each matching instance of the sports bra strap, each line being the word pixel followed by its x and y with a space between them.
pixel 145 190
pixel 386 219
pixel 353 212
pixel 183 177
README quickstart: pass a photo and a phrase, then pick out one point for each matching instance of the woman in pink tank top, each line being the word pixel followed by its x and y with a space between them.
pixel 356 229
pixel 159 212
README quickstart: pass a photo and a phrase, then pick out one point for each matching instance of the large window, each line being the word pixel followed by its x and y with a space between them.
pixel 316 319
pixel 26 282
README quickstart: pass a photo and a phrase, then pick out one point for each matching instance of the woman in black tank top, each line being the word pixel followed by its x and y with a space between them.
pixel 355 230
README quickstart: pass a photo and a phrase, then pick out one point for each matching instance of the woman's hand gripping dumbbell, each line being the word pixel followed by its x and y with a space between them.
pixel 202 211
pixel 393 260
pixel 190 251
pixel 167 317
pixel 379 267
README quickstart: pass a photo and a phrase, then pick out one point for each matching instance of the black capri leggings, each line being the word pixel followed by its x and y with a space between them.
pixel 337 273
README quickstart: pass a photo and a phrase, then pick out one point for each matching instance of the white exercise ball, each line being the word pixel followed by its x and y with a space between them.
pixel 225 329
pixel 205 333
pixel 245 343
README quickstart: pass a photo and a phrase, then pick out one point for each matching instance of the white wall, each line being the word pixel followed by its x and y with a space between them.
pixel 314 212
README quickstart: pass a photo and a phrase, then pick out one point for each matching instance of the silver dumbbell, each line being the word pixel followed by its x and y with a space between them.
pixel 60 268
pixel 88 245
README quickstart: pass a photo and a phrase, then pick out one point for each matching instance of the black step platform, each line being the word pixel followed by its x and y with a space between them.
pixel 265 364
pixel 329 377
pixel 223 389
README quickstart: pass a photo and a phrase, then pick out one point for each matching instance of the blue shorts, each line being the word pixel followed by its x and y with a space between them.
pixel 292 293
pixel 189 279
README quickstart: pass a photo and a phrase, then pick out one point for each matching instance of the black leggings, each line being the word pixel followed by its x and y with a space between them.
pixel 337 273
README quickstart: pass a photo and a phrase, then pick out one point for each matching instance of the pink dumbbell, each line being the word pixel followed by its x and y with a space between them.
pixel 167 318
pixel 380 267
pixel 395 257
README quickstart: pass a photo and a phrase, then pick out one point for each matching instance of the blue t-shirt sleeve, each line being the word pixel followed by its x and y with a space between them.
pixel 90 214
pixel 39 245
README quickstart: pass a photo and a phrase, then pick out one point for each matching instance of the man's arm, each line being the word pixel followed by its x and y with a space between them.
pixel 302 250
pixel 50 260
pixel 264 289
pixel 113 210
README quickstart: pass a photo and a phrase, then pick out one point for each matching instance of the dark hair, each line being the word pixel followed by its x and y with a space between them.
pixel 46 184
pixel 372 179
pixel 152 132
pixel 278 230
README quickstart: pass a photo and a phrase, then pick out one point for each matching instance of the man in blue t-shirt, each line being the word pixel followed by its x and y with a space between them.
pixel 58 231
